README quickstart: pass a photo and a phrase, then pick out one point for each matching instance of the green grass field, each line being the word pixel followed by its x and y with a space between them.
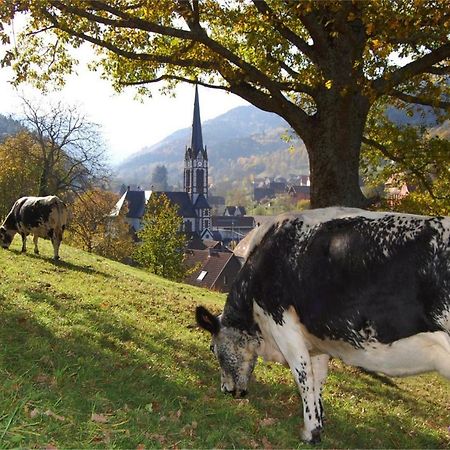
pixel 96 354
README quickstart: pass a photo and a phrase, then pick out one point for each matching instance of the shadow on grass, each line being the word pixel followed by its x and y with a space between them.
pixel 99 362
pixel 62 264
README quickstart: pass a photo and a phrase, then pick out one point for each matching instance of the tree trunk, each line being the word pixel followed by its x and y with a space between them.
pixel 44 181
pixel 334 145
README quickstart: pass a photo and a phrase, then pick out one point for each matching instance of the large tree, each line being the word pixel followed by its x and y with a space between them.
pixel 71 154
pixel 321 65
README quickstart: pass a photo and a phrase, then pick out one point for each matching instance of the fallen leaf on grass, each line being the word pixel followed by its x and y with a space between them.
pixel 267 421
pixel 189 429
pixel 54 416
pixel 46 379
pixel 266 443
pixel 99 418
pixel 157 437
pixel 175 415
pixel 34 413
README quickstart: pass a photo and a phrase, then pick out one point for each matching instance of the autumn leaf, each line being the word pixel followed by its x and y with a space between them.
pixel 370 27
pixel 266 443
pixel 99 418
pixel 51 447
pixel 50 413
pixel 267 421
pixel 34 413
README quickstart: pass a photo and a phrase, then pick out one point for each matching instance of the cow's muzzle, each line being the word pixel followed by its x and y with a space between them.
pixel 235 393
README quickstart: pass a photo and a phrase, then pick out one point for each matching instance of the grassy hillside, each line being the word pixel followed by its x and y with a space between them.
pixel 97 354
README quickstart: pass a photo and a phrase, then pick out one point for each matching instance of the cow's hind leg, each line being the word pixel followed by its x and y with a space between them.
pixel 24 242
pixel 56 242
pixel 35 241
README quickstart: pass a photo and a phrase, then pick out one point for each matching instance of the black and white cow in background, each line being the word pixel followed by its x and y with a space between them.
pixel 372 289
pixel 44 217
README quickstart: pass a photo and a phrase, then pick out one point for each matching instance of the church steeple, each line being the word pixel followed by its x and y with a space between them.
pixel 196 158
pixel 197 138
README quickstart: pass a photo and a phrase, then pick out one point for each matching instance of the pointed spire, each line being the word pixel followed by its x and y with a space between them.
pixel 197 138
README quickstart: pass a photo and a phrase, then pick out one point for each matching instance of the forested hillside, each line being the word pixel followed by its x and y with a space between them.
pixel 8 126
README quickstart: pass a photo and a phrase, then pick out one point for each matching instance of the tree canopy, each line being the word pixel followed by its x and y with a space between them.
pixel 321 65
pixel 92 229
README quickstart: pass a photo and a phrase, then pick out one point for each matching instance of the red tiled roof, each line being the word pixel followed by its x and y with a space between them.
pixel 210 261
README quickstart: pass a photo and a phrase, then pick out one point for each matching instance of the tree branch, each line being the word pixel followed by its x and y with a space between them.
pixel 284 31
pixel 162 59
pixel 384 84
pixel 127 21
pixel 173 77
pixel 445 70
pixel 408 98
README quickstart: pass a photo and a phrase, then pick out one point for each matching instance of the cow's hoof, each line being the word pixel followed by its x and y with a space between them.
pixel 36 252
pixel 56 258
pixel 311 437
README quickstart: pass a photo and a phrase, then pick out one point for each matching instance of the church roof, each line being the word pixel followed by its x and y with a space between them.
pixel 201 202
pixel 183 201
pixel 135 201
pixel 197 137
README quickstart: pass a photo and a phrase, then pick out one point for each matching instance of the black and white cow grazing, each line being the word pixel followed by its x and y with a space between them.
pixel 44 217
pixel 372 289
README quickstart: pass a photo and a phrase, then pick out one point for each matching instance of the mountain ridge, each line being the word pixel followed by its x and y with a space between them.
pixel 237 141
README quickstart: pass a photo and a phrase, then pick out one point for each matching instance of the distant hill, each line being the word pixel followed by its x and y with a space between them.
pixel 8 126
pixel 242 142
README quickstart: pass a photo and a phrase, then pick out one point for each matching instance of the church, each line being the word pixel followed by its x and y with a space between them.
pixel 192 202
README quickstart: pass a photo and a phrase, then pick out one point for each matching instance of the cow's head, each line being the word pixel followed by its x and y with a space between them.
pixel 235 349
pixel 5 237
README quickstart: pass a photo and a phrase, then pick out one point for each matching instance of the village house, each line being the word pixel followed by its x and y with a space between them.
pixel 297 186
pixel 215 269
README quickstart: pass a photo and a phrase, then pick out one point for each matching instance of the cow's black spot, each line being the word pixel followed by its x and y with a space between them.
pixel 34 215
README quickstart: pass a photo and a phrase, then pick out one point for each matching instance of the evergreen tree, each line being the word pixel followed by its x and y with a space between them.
pixel 162 247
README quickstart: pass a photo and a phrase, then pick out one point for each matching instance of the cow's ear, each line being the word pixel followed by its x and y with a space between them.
pixel 206 320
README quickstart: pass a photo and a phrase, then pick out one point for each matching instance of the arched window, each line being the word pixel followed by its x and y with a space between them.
pixel 188 178
pixel 200 182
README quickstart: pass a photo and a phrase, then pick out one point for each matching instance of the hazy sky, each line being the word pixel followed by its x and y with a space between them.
pixel 127 124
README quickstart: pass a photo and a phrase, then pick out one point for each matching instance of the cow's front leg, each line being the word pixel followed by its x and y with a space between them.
pixel 35 241
pixel 290 341
pixel 24 242
pixel 320 370
pixel 301 368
